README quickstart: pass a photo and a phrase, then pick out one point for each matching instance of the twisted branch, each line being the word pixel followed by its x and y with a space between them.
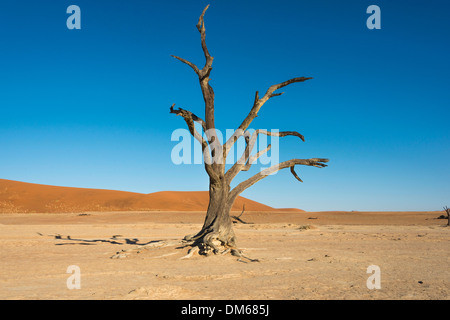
pixel 257 104
pixel 190 118
pixel 245 162
pixel 216 168
pixel 314 162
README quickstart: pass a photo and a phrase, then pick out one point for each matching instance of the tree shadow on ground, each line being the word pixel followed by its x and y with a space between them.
pixel 115 239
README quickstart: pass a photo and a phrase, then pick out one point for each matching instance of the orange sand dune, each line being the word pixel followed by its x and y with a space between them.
pixel 28 197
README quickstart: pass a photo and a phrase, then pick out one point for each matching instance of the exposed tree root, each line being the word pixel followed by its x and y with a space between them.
pixel 190 253
pixel 208 242
pixel 203 244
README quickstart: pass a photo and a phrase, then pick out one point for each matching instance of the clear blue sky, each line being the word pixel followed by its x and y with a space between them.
pixel 90 107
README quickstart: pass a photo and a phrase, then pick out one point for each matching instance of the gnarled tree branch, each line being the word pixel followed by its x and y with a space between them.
pixel 255 157
pixel 245 162
pixel 257 104
pixel 209 59
pixel 190 64
pixel 205 71
pixel 188 115
pixel 208 96
pixel 314 162
pixel 295 174
pixel 190 118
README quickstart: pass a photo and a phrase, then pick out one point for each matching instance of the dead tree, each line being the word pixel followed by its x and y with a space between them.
pixel 447 210
pixel 217 235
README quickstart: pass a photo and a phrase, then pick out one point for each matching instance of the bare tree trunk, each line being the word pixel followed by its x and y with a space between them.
pixel 217 230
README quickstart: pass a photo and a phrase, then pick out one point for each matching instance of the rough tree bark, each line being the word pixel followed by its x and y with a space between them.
pixel 217 235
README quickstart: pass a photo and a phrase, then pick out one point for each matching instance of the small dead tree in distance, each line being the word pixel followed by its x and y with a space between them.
pixel 447 211
pixel 217 235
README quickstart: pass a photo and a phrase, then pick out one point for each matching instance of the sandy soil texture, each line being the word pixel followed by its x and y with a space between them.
pixel 321 255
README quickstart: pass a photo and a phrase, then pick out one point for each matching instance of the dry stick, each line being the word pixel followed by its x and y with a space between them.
pixel 238 217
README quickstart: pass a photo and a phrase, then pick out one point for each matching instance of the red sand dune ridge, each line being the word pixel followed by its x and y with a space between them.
pixel 22 197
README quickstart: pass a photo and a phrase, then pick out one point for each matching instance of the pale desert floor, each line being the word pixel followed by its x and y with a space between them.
pixel 327 261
